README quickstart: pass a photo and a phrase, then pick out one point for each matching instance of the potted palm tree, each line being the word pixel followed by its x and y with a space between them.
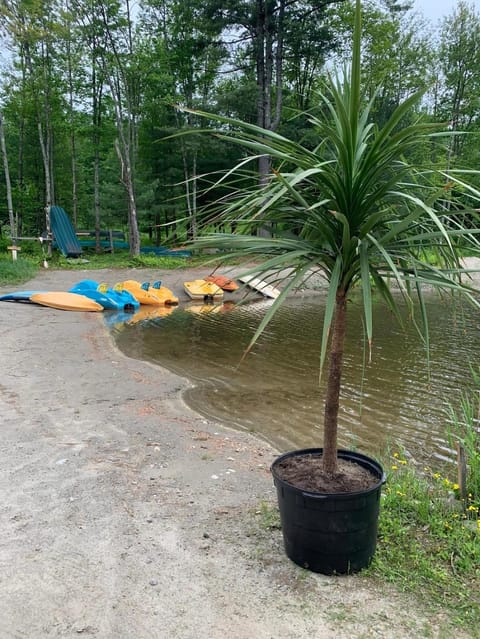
pixel 358 210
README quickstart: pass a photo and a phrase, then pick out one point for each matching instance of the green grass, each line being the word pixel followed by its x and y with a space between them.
pixel 21 270
pixel 31 261
pixel 119 259
pixel 464 431
pixel 429 542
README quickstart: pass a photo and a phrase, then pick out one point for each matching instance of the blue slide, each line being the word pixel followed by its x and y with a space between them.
pixel 64 233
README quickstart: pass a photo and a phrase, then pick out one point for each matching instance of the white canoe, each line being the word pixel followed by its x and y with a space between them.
pixel 260 285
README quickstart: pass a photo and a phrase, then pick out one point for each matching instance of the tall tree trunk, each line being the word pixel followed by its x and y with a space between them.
pixel 73 139
pixel 332 401
pixel 269 64
pixel 48 131
pixel 20 162
pixel 193 224
pixel 96 121
pixel 46 170
pixel 123 154
pixel 8 184
pixel 96 197
pixel 44 147
pixel 190 179
pixel 120 80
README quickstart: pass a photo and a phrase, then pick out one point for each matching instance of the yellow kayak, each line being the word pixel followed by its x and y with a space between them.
pixel 146 294
pixel 203 290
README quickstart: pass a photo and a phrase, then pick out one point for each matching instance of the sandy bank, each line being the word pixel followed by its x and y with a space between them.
pixel 125 515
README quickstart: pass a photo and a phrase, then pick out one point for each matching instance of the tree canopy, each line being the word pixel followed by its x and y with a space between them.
pixel 88 94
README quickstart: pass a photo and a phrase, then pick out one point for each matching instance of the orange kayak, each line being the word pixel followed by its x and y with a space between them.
pixel 66 301
pixel 223 282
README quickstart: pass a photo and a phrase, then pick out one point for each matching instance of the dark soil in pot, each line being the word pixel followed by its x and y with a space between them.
pixel 306 473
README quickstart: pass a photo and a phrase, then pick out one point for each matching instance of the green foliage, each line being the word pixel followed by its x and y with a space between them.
pixel 353 206
pixel 176 53
pixel 397 53
pixel 120 259
pixel 427 544
pixel 464 429
pixel 458 60
pixel 18 271
pixel 359 207
pixel 269 517
pixel 29 248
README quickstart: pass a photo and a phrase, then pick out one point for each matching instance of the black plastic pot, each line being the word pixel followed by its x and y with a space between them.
pixel 330 533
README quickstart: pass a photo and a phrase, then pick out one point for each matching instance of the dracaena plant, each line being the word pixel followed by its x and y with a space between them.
pixel 354 208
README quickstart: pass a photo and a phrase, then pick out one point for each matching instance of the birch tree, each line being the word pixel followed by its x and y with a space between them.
pixel 113 65
pixel 31 26
pixel 8 185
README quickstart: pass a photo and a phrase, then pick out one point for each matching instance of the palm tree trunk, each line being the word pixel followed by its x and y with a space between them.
pixel 334 378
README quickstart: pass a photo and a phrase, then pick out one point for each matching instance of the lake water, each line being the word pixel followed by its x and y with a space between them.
pixel 275 391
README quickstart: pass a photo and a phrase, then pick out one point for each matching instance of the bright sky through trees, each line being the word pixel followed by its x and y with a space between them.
pixel 434 10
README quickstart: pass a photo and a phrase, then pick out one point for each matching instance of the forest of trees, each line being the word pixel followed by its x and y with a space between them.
pixel 89 87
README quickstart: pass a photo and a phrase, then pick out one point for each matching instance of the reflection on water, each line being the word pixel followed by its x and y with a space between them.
pixel 275 390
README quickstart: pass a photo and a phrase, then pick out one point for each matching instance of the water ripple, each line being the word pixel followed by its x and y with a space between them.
pixel 275 391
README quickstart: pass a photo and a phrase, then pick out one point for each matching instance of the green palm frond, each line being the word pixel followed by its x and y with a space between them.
pixel 354 207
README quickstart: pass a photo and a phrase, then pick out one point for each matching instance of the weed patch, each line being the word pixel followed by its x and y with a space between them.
pixel 15 272
pixel 428 542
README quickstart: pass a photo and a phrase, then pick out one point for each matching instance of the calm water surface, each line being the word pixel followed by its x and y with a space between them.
pixel 275 391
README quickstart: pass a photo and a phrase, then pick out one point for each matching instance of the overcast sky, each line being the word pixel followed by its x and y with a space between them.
pixel 435 9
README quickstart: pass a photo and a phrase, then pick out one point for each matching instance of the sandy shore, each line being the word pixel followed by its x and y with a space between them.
pixel 125 515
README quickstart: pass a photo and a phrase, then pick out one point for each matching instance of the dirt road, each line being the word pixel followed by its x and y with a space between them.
pixel 125 515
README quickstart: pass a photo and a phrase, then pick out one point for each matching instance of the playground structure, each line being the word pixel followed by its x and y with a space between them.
pixel 63 233
pixel 62 236
pixel 71 243
pixel 107 239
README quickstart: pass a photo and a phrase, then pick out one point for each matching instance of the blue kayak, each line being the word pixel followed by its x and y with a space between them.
pixel 109 298
pixel 18 296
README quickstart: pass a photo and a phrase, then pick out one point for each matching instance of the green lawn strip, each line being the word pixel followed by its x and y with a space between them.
pixel 18 271
pixel 429 543
pixel 25 268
